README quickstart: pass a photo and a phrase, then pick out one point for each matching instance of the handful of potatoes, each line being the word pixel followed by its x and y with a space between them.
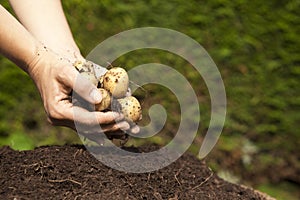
pixel 113 86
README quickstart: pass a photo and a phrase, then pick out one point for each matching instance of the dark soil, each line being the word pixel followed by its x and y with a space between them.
pixel 71 172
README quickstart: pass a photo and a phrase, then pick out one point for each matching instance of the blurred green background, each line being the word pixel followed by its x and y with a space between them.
pixel 255 45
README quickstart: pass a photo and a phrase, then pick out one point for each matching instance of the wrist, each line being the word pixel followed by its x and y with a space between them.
pixel 37 53
pixel 25 52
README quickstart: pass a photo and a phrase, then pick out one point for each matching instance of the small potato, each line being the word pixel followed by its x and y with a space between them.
pixel 129 107
pixel 86 69
pixel 106 100
pixel 116 81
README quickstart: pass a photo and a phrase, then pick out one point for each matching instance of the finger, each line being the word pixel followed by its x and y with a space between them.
pixel 123 126
pixel 135 129
pixel 87 90
pixel 86 117
pixel 66 112
pixel 108 117
pixel 82 86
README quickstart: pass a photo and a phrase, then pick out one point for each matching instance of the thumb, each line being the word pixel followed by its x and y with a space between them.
pixel 86 89
pixel 71 78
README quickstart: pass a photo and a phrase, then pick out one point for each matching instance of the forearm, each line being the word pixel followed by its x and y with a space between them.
pixel 46 21
pixel 16 43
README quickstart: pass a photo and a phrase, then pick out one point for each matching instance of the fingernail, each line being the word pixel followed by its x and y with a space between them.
pixel 96 96
pixel 135 130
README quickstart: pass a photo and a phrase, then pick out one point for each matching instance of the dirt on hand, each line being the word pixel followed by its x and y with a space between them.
pixel 71 172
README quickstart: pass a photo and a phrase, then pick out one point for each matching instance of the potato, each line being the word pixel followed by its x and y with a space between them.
pixel 116 81
pixel 129 107
pixel 114 90
pixel 86 69
pixel 106 100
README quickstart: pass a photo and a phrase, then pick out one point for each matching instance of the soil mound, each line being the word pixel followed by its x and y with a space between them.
pixel 71 172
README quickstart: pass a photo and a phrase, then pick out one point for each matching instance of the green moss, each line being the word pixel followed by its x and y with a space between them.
pixel 281 191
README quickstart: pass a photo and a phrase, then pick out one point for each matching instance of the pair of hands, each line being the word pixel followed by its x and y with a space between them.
pixel 52 71
pixel 56 78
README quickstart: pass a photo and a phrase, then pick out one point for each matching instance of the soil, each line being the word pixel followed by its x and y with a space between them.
pixel 71 172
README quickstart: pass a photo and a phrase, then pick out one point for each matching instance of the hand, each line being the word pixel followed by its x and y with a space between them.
pixel 54 76
pixel 55 79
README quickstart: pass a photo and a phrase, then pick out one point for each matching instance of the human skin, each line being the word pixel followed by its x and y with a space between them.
pixel 46 21
pixel 51 67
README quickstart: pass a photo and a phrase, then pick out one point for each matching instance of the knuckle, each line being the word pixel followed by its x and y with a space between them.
pixel 54 116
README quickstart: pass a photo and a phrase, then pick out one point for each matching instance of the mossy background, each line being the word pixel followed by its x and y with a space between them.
pixel 255 45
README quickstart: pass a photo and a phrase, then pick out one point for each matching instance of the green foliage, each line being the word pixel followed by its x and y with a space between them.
pixel 18 141
pixel 254 44
pixel 280 191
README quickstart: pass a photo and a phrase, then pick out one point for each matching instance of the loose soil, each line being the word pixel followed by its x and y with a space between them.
pixel 71 172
